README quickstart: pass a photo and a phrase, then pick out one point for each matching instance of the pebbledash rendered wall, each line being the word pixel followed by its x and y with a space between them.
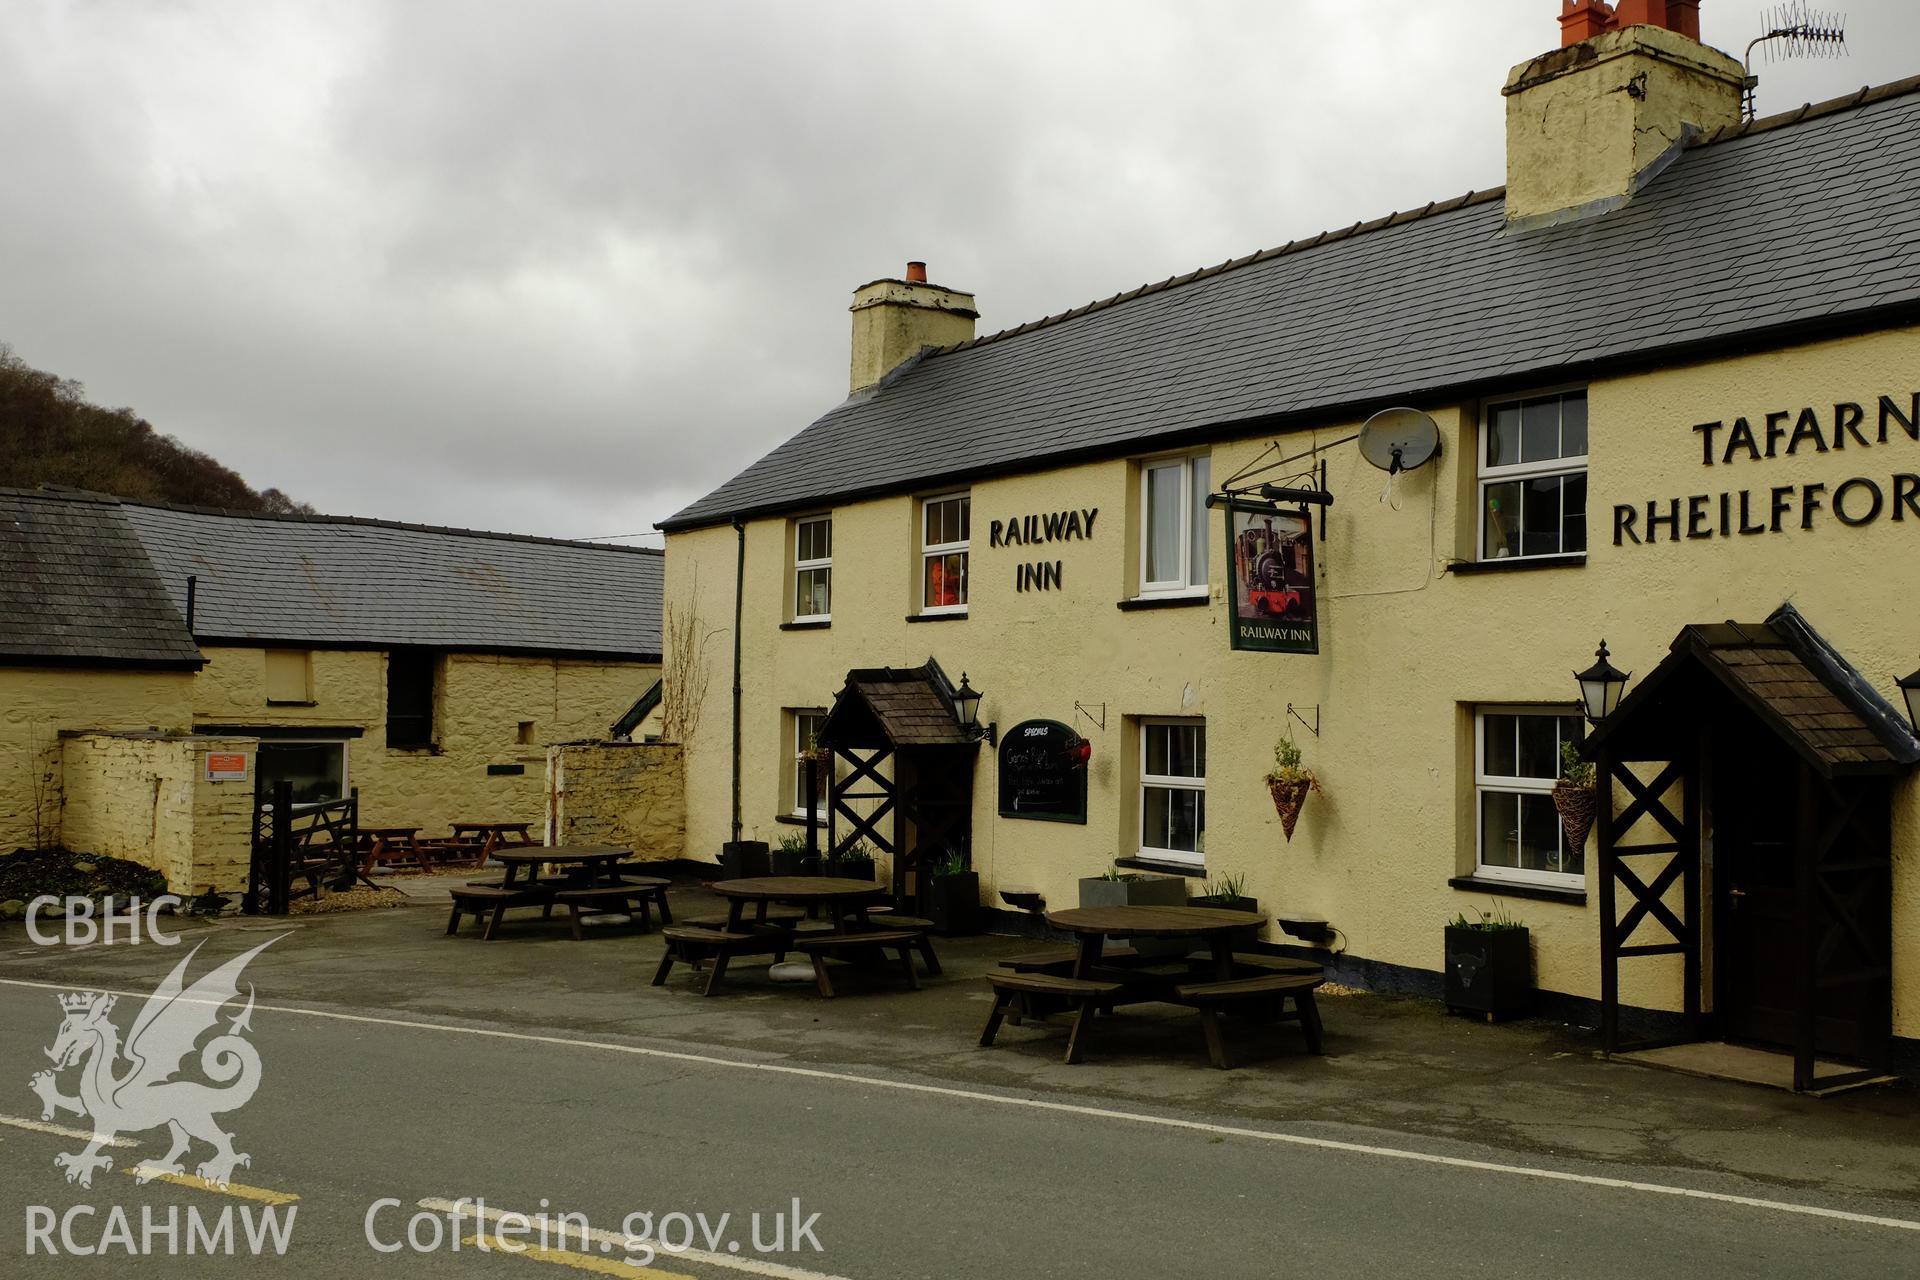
pixel 1408 648
pixel 482 701
pixel 631 794
pixel 146 797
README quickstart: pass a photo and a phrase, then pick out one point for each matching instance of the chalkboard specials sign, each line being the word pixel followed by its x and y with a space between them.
pixel 1042 775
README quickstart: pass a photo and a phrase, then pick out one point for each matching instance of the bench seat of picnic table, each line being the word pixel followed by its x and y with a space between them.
pixel 1267 964
pixel 1267 990
pixel 490 902
pixel 819 946
pixel 1036 992
pixel 713 947
pixel 605 899
pixel 1062 959
pixel 775 916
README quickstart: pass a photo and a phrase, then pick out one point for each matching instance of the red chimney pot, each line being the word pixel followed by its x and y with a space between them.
pixel 1585 19
pixel 916 273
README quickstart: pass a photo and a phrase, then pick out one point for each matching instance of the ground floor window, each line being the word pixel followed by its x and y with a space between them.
pixel 1173 790
pixel 1517 760
pixel 804 726
pixel 317 770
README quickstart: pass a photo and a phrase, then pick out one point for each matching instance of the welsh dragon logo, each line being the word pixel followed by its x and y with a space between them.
pixel 131 1087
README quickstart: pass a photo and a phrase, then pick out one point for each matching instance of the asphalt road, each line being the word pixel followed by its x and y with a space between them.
pixel 909 1177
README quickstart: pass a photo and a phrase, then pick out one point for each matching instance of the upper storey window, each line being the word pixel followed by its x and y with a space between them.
pixel 813 569
pixel 1173 525
pixel 1533 477
pixel 945 526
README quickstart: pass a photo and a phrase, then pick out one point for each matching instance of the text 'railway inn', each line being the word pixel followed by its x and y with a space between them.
pixel 1675 373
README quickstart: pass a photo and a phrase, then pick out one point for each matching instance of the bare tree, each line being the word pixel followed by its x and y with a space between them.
pixel 686 673
pixel 40 773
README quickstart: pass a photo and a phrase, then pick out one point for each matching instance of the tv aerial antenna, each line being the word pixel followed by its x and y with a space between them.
pixel 1793 31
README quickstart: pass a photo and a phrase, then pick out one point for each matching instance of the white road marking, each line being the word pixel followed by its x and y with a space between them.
pixel 1070 1108
pixel 615 1242
pixel 60 1130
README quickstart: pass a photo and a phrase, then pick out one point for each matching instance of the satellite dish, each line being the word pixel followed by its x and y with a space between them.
pixel 1396 440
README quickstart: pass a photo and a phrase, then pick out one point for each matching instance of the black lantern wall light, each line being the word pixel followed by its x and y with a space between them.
pixel 1910 690
pixel 1601 686
pixel 966 711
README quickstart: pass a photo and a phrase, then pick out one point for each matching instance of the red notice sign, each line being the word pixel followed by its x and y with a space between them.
pixel 226 766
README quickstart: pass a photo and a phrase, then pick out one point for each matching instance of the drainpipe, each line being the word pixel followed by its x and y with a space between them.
pixel 739 605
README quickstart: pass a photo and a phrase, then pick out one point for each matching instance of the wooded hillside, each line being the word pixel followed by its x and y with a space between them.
pixel 49 434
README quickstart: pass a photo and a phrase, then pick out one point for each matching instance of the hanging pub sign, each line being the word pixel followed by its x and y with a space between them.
pixel 1043 772
pixel 1270 558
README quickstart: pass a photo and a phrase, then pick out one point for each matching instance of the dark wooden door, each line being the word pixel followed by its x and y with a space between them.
pixel 1755 802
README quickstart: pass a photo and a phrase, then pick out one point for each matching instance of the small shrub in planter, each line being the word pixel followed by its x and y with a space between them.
pixel 1489 965
pixel 792 858
pixel 742 858
pixel 1228 892
pixel 953 896
pixel 852 863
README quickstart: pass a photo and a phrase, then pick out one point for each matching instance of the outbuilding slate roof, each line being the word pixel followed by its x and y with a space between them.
pixel 1772 231
pixel 76 587
pixel 335 580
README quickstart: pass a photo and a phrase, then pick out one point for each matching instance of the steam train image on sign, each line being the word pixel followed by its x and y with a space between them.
pixel 1271 557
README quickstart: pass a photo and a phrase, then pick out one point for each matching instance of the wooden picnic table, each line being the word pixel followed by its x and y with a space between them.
pixel 595 863
pixel 846 901
pixel 494 835
pixel 1094 925
pixel 851 936
pixel 388 845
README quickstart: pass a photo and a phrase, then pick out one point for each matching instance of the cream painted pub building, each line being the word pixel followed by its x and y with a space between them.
pixel 1675 369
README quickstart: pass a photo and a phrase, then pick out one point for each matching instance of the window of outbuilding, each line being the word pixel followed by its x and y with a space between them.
pixel 1533 477
pixel 289 676
pixel 411 675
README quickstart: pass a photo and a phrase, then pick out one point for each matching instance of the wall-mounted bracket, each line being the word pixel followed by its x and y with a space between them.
pixel 1083 710
pixel 1313 726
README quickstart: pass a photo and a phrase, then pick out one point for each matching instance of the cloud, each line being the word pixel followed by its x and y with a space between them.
pixel 561 268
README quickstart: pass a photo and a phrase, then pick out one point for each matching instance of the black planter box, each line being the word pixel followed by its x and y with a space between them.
pixel 953 903
pixel 846 871
pixel 1226 903
pixel 1489 971
pixel 794 862
pixel 742 858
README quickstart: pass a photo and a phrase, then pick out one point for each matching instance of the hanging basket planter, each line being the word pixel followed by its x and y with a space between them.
pixel 1577 806
pixel 1287 799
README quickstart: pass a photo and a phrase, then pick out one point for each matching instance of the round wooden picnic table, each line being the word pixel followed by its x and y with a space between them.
pixel 842 898
pixel 598 860
pixel 1094 925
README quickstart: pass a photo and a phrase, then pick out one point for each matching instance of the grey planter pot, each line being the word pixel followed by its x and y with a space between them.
pixel 1148 891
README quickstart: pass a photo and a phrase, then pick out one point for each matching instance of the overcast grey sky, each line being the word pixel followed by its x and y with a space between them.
pixel 561 267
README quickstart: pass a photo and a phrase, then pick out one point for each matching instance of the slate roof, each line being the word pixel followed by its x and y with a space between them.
pixel 907 708
pixel 76 587
pixel 336 580
pixel 1791 226
pixel 1788 675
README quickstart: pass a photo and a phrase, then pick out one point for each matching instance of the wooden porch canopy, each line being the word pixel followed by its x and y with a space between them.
pixel 1721 687
pixel 923 805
